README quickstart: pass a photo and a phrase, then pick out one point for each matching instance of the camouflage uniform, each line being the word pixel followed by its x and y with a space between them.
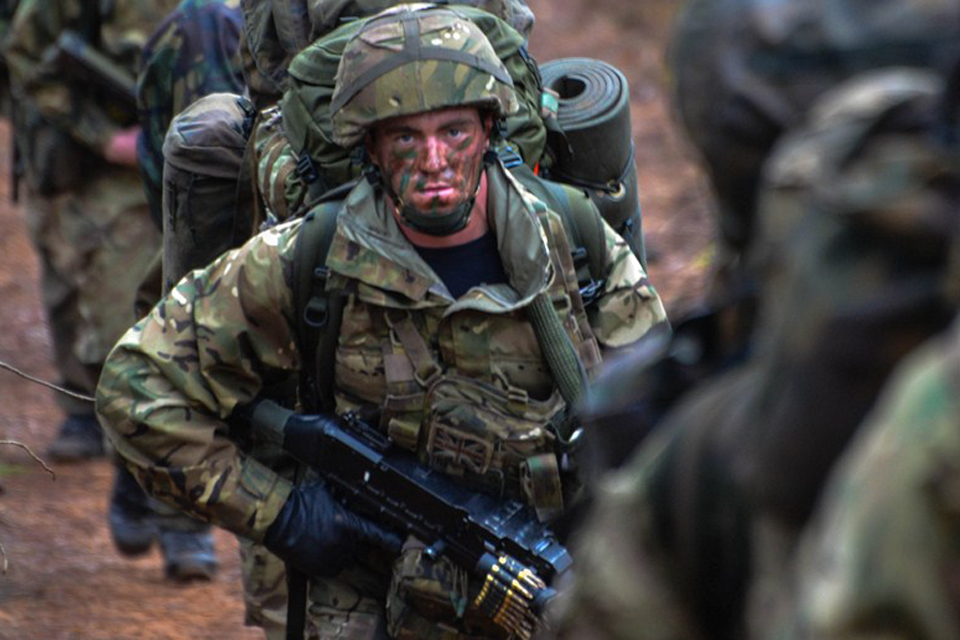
pixel 881 559
pixel 88 219
pixel 195 52
pixel 204 151
pixel 203 371
pixel 7 9
pixel 858 210
pixel 430 370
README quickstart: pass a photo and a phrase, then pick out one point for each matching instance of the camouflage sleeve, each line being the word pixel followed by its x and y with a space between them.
pixel 171 381
pixel 28 51
pixel 623 586
pixel 882 557
pixel 629 305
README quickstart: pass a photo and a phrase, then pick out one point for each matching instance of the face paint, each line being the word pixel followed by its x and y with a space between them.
pixel 431 161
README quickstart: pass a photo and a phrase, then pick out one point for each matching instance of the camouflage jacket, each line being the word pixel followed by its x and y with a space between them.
pixel 121 27
pixel 225 332
pixel 194 52
pixel 881 557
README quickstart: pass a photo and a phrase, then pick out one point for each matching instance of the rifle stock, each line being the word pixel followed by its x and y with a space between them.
pixel 499 540
pixel 83 63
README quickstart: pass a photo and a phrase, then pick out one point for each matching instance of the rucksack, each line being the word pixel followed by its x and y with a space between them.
pixel 306 116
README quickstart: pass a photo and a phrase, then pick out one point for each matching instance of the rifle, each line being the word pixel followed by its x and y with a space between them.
pixel 83 63
pixel 499 540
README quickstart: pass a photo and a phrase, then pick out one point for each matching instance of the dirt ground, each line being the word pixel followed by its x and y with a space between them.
pixel 63 578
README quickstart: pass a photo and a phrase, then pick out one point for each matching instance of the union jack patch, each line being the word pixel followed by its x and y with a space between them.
pixel 456 450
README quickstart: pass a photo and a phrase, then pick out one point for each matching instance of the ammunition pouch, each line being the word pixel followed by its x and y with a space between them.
pixel 495 441
pixel 433 599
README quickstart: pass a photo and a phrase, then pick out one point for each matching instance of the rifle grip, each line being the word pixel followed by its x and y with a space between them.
pixel 268 421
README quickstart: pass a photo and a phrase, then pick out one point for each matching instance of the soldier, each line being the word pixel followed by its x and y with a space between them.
pixel 194 51
pixel 439 254
pixel 747 71
pixel 7 9
pixel 853 268
pixel 85 208
pixel 209 206
pixel 879 555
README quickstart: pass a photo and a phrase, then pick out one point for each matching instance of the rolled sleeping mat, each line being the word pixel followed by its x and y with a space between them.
pixel 593 148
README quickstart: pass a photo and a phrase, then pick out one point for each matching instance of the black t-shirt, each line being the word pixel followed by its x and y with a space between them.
pixel 466 265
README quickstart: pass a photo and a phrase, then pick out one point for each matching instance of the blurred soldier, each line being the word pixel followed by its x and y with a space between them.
pixel 746 71
pixel 85 206
pixel 194 51
pixel 445 239
pixel 880 557
pixel 7 9
pixel 851 244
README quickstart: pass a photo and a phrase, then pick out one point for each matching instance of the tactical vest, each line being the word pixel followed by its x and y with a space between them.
pixel 318 313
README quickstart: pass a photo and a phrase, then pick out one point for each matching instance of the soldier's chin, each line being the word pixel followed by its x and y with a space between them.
pixel 434 208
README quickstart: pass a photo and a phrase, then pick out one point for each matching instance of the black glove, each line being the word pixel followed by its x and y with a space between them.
pixel 318 536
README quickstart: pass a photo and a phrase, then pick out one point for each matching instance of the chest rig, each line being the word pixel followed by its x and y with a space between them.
pixel 461 414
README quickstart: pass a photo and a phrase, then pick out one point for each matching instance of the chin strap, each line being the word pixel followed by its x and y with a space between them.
pixel 433 224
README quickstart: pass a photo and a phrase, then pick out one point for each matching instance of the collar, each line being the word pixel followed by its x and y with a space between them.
pixel 369 247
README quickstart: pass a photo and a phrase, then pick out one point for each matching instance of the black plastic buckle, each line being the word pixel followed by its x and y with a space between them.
pixel 307 170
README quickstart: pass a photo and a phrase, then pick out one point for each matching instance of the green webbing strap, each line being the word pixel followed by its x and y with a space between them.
pixel 317 311
pixel 296 602
pixel 580 218
pixel 558 351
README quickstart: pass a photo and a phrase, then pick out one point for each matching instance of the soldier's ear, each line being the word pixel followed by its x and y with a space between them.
pixel 487 122
pixel 369 146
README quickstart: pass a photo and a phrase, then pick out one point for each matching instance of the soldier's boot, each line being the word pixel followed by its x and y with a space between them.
pixel 188 555
pixel 79 438
pixel 133 526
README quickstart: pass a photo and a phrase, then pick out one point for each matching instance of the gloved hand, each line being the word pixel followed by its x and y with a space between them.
pixel 318 536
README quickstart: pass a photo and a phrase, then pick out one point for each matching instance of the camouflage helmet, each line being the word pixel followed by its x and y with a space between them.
pixel 745 71
pixel 411 59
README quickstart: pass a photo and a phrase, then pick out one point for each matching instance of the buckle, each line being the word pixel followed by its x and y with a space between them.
pixel 306 169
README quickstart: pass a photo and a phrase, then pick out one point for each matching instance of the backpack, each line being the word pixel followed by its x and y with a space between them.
pixel 306 116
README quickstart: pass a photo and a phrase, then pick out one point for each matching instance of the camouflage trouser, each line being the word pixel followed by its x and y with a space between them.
pixel 95 245
pixel 264 589
pixel 351 607
pixel 335 610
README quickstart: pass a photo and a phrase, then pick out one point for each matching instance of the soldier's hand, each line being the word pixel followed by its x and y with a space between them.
pixel 316 534
pixel 122 148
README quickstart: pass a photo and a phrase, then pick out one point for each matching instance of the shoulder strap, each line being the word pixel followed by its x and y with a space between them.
pixel 318 312
pixel 581 221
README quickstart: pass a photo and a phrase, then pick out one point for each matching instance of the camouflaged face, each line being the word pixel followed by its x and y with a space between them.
pixel 414 59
